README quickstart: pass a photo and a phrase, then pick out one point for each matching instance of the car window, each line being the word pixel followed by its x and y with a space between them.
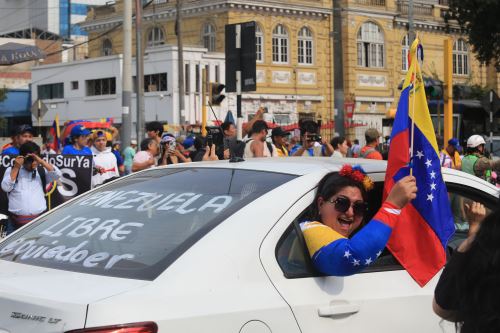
pixel 295 262
pixel 137 226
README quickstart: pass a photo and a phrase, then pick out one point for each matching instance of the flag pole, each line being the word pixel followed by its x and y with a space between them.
pixel 413 68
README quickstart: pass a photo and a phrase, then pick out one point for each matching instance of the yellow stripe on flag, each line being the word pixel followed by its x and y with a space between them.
pixel 420 115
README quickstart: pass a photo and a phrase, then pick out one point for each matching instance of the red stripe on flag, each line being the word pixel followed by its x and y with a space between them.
pixel 426 255
pixel 399 156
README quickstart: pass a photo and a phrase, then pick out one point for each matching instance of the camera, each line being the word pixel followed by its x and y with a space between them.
pixel 29 159
pixel 314 137
pixel 214 136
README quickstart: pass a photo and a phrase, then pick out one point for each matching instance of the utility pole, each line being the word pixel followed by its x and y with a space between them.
pixel 448 91
pixel 338 69
pixel 126 73
pixel 139 63
pixel 411 26
pixel 180 62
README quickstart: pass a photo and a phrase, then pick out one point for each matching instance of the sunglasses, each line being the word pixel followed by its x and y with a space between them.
pixel 342 205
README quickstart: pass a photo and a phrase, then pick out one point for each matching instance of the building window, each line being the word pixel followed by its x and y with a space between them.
pixel 370 46
pixel 51 91
pixel 280 45
pixel 405 51
pixel 187 79
pixel 209 37
pixel 259 43
pixel 156 37
pixel 74 85
pixel 100 87
pixel 197 78
pixel 107 47
pixel 460 58
pixel 217 73
pixel 305 46
pixel 155 82
pixel 207 71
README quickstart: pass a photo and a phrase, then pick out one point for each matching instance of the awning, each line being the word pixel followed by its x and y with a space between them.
pixel 14 53
pixel 16 104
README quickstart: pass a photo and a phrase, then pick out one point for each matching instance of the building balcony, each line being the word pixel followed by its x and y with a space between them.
pixel 376 3
pixel 419 8
pixel 444 2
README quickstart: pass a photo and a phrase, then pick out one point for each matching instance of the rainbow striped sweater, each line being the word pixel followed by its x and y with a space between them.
pixel 336 255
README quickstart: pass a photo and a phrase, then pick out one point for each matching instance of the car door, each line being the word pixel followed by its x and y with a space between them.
pixel 382 299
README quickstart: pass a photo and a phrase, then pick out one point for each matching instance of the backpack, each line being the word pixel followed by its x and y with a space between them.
pixel 4 198
pixel 239 148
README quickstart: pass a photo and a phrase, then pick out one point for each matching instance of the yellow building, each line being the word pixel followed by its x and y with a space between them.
pixel 293 42
pixel 295 52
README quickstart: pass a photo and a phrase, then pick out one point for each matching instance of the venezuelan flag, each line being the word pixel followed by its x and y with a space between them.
pixel 419 239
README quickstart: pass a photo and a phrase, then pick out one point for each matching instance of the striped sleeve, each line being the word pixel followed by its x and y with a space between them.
pixel 336 255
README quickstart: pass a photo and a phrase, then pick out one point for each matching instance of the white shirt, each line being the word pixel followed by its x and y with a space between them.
pixel 249 154
pixel 106 160
pixel 26 196
pixel 337 154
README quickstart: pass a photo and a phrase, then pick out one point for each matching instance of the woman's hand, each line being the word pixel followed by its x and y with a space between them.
pixel 403 192
pixel 475 213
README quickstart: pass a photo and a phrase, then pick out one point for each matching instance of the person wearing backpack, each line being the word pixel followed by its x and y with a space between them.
pixel 257 146
pixel 25 184
pixel 370 151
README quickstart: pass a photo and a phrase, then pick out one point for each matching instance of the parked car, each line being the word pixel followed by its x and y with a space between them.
pixel 211 247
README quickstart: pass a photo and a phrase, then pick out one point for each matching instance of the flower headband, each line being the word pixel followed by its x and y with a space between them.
pixel 357 174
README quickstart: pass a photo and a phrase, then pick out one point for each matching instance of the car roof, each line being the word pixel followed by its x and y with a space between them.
pixel 300 166
pixel 293 165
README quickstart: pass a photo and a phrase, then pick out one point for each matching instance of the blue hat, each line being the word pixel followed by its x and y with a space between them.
pixel 188 142
pixel 454 142
pixel 79 130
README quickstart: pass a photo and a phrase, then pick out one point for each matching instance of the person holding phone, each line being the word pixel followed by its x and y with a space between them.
pixel 25 184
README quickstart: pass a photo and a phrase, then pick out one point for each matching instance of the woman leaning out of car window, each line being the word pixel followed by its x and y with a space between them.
pixel 468 291
pixel 338 210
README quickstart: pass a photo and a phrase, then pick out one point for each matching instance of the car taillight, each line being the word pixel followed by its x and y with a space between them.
pixel 146 327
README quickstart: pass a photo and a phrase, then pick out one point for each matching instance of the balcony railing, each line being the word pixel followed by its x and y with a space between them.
pixel 419 9
pixel 378 3
pixel 444 2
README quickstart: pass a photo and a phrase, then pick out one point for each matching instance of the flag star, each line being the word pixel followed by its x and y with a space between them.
pixel 420 154
pixel 430 197
pixel 428 163
pixel 433 175
pixel 433 186
pixel 355 262
pixel 379 253
pixel 347 254
pixel 368 261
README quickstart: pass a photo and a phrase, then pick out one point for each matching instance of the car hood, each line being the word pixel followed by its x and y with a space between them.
pixel 37 299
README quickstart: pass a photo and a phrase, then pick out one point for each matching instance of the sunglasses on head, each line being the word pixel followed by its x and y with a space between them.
pixel 342 205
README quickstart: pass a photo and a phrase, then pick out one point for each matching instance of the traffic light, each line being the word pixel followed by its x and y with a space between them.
pixel 216 97
pixel 434 91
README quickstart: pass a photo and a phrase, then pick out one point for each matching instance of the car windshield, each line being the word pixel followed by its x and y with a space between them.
pixel 136 227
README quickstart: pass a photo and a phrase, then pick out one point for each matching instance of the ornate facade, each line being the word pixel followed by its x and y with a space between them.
pixel 294 45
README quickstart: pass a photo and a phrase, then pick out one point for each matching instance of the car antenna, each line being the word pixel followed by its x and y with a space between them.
pixel 233 158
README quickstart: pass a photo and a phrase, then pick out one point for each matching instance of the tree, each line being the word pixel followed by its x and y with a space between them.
pixel 3 94
pixel 481 20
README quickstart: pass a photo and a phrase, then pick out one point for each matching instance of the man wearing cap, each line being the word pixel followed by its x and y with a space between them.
pixel 79 138
pixel 370 151
pixel 450 157
pixel 23 134
pixel 474 161
pixel 128 156
pixel 278 135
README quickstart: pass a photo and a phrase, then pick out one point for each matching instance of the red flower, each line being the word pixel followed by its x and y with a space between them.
pixel 357 176
pixel 346 170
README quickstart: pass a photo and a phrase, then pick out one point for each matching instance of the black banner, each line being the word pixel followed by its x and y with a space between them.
pixel 76 176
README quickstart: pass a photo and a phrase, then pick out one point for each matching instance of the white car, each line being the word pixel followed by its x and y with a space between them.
pixel 207 247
